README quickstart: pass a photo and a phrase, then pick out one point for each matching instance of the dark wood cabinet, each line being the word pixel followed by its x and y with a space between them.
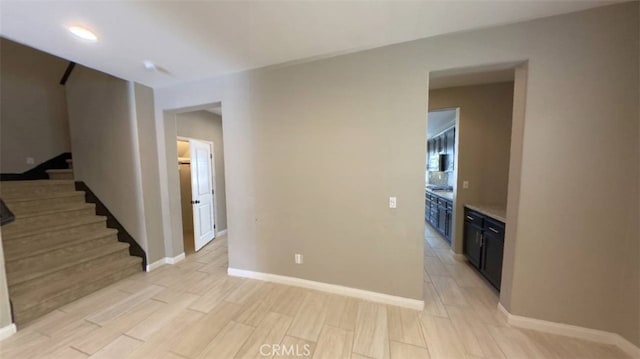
pixel 438 212
pixel 472 237
pixel 484 245
pixel 443 144
pixel 492 251
pixel 450 148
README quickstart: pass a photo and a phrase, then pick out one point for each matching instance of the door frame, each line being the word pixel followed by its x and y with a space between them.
pixel 213 180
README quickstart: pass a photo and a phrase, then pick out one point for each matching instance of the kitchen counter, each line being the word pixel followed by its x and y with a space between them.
pixel 444 194
pixel 493 211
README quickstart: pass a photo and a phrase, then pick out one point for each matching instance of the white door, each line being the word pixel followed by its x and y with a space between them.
pixel 202 192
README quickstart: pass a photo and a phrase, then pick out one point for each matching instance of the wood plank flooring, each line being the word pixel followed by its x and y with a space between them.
pixel 194 310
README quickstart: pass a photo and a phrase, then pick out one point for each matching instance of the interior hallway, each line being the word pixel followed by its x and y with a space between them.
pixel 194 310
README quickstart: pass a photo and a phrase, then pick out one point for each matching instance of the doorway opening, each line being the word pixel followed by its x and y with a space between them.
pixel 441 173
pixel 474 142
pixel 200 162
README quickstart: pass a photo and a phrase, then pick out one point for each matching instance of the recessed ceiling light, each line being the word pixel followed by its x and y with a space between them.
pixel 83 33
pixel 149 65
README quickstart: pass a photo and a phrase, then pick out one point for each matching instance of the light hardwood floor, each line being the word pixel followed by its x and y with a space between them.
pixel 194 310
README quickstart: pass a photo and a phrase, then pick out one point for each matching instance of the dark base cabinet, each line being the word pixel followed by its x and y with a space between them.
pixel 472 247
pixel 438 212
pixel 484 245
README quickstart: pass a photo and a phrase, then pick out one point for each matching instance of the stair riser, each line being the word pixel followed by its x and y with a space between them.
pixel 57 255
pixel 61 176
pixel 60 260
pixel 13 191
pixel 27 247
pixel 25 207
pixel 31 224
pixel 26 314
pixel 61 278
pixel 52 235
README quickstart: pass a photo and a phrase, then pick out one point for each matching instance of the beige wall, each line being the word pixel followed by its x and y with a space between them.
pixel 484 140
pixel 515 180
pixel 147 145
pixel 203 125
pixel 33 111
pixel 314 150
pixel 5 308
pixel 185 190
pixel 104 134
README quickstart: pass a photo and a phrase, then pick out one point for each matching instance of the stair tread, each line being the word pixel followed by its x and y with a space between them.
pixel 36 182
pixel 17 189
pixel 38 197
pixel 65 207
pixel 60 263
pixel 14 250
pixel 60 226
pixel 58 250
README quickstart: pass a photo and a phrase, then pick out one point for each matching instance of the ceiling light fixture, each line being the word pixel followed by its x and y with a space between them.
pixel 149 66
pixel 83 33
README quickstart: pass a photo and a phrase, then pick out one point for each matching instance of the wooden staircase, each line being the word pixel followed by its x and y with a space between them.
pixel 57 250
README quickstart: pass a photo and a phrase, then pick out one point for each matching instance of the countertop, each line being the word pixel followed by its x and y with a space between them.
pixel 444 194
pixel 493 211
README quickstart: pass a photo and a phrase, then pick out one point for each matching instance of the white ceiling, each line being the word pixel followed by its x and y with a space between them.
pixel 196 39
pixel 478 77
pixel 440 120
pixel 215 110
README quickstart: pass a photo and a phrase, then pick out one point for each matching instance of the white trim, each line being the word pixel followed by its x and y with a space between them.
pixel 599 336
pixel 175 259
pixel 330 288
pixel 457 256
pixel 221 233
pixel 166 260
pixel 7 331
pixel 160 262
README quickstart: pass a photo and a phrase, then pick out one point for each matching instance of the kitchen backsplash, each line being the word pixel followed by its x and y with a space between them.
pixel 440 178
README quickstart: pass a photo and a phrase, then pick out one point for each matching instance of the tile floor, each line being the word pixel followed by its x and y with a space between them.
pixel 194 310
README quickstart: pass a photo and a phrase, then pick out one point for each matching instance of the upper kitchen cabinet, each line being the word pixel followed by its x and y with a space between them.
pixel 442 147
pixel 450 150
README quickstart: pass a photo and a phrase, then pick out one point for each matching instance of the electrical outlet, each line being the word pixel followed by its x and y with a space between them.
pixel 393 202
pixel 465 184
pixel 298 258
pixel 31 161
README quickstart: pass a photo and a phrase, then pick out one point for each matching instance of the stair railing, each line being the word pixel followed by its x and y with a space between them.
pixel 6 216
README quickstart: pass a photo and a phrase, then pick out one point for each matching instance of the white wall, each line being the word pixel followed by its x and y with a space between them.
pixel 33 110
pixel 313 151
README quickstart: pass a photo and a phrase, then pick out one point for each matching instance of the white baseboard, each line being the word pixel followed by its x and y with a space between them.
pixel 7 331
pixel 166 260
pixel 221 233
pixel 457 256
pixel 599 336
pixel 330 288
pixel 176 259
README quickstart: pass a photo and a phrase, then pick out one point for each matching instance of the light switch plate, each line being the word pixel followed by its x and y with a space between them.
pixel 31 161
pixel 393 202
pixel 465 184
